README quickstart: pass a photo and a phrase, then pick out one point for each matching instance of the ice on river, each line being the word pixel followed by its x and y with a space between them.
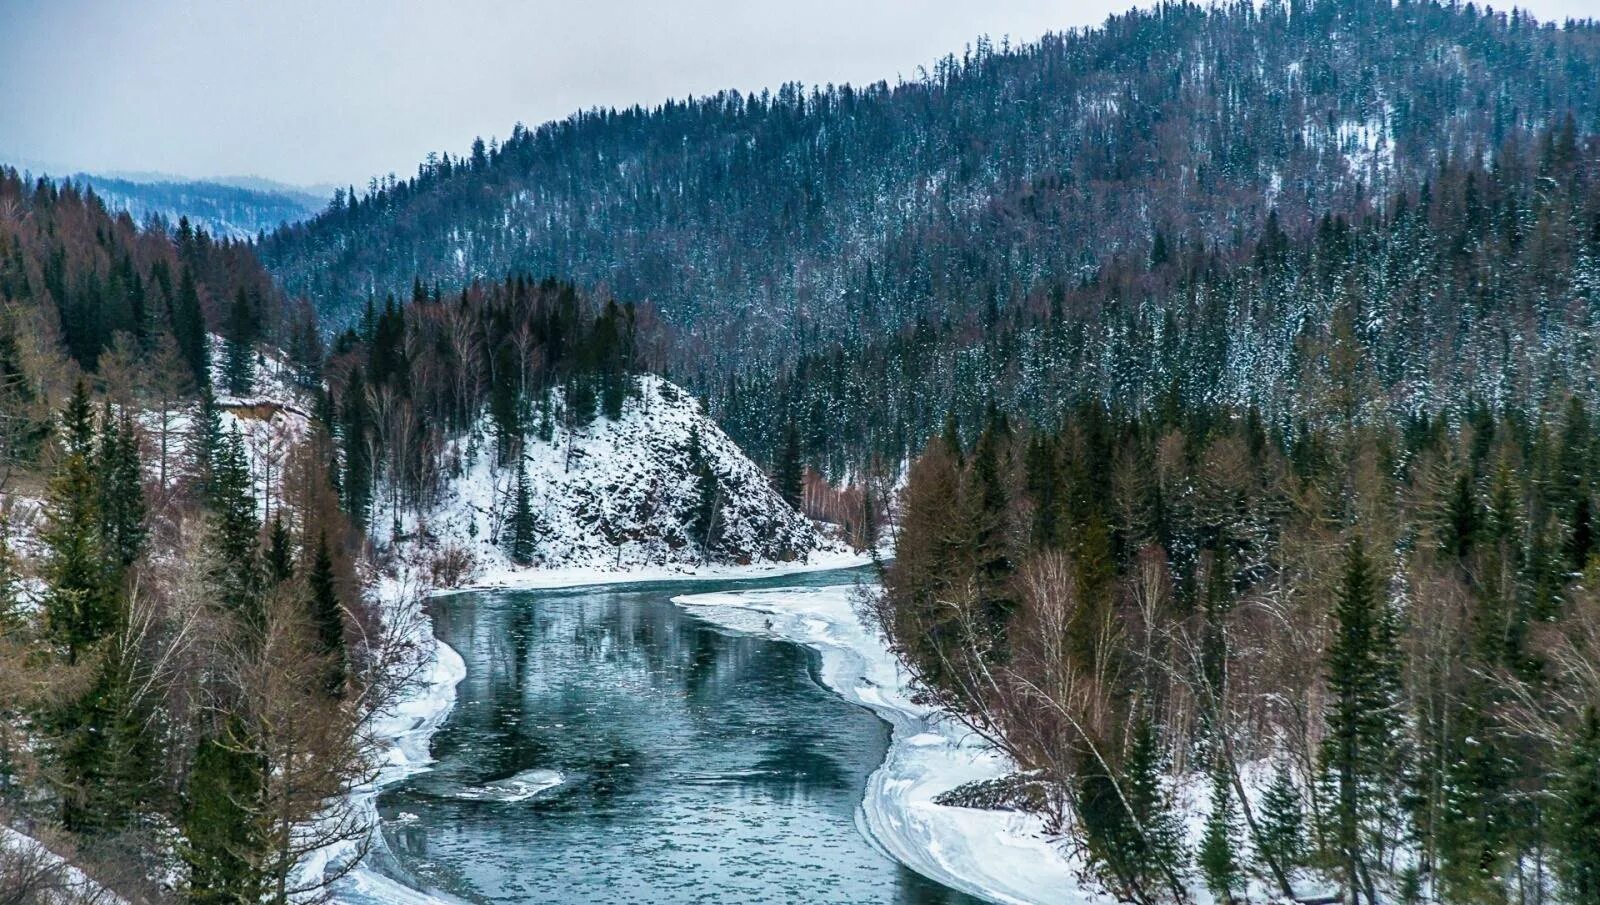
pixel 1001 856
pixel 521 787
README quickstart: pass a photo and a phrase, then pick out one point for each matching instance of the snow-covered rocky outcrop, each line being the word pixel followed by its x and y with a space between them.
pixel 610 497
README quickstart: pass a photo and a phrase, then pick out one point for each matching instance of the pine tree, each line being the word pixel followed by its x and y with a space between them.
pixel 790 474
pixel 1578 816
pixel 239 354
pixel 80 601
pixel 280 552
pixel 1218 855
pixel 1363 720
pixel 355 420
pixel 237 533
pixel 224 844
pixel 327 615
pixel 522 527
pixel 122 508
pixel 1281 837
pixel 704 518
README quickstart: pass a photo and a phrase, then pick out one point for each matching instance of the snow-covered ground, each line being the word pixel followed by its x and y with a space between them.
pixel 614 496
pixel 68 883
pixel 1001 856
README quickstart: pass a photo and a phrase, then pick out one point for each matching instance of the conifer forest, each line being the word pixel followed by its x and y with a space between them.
pixel 1155 461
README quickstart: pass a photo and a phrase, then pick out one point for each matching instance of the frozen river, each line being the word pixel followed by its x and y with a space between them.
pixel 607 746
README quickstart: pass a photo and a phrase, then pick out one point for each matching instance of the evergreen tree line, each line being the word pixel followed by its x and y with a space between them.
pixel 1364 645
pixel 1481 286
pixel 105 285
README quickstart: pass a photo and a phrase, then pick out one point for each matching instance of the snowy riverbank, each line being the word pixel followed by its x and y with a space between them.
pixel 1000 856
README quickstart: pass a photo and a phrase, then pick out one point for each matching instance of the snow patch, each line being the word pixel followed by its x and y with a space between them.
pixel 611 497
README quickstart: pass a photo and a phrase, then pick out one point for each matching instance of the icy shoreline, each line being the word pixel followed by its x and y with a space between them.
pixel 580 577
pixel 1000 856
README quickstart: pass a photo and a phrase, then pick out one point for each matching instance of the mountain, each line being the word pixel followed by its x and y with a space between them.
pixel 762 223
pixel 231 209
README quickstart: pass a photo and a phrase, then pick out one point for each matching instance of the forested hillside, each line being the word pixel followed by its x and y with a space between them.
pixel 514 424
pixel 1480 287
pixel 781 220
pixel 188 655
pixel 1359 657
pixel 78 278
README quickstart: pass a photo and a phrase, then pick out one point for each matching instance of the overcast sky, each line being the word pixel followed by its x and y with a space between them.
pixel 335 91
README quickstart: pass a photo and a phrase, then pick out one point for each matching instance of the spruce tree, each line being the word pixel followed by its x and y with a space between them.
pixel 204 442
pixel 1578 816
pixel 1281 837
pixel 790 473
pixel 280 551
pixel 80 601
pixel 1580 542
pixel 224 845
pixel 327 615
pixel 237 533
pixel 522 528
pixel 11 616
pixel 609 357
pixel 1218 855
pixel 1462 519
pixel 952 437
pixel 1363 720
pixel 239 354
pixel 107 761
pixel 122 508
pixel 1133 834
pixel 189 328
pixel 987 505
pixel 355 421
pixel 581 400
pixel 1476 818
pixel 704 517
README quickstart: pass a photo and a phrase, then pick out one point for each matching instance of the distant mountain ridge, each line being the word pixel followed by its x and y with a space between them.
pixel 233 209
pixel 758 222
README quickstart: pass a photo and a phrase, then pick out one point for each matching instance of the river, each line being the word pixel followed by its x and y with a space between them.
pixel 607 746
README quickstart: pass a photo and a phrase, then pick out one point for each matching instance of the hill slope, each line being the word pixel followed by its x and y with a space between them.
pixel 614 495
pixel 757 220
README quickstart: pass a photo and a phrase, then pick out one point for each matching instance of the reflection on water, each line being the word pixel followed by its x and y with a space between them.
pixel 607 747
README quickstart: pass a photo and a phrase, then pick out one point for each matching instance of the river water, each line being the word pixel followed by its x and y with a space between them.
pixel 606 746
